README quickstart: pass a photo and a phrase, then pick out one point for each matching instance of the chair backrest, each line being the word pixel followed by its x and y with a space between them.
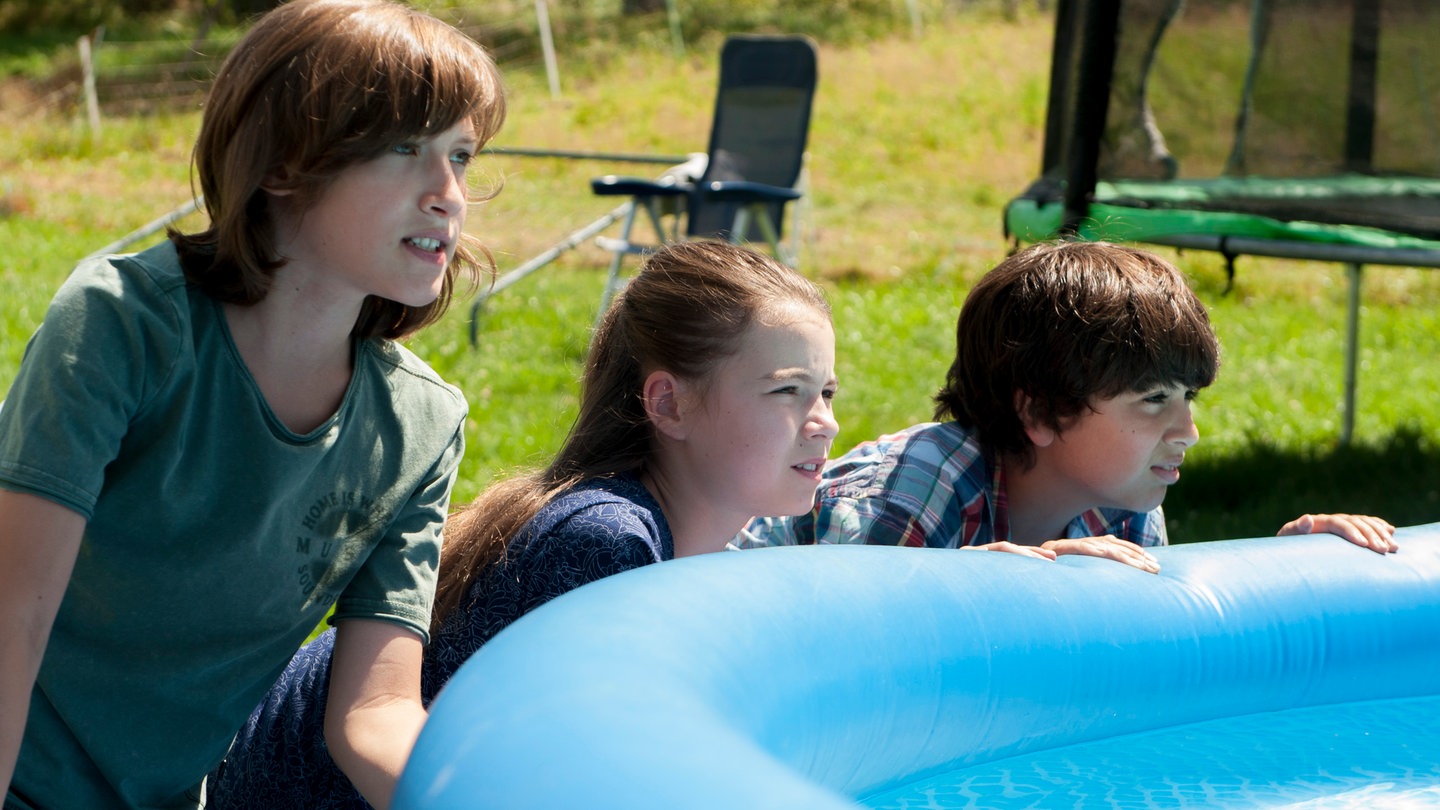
pixel 761 123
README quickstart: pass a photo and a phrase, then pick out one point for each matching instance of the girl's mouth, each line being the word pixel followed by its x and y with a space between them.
pixel 426 243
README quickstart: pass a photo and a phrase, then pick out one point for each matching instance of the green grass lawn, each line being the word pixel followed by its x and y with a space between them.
pixel 915 147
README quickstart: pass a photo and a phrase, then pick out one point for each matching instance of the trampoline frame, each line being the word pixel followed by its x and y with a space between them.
pixel 1085 47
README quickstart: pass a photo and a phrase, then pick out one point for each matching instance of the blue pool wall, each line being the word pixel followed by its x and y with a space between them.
pixel 815 676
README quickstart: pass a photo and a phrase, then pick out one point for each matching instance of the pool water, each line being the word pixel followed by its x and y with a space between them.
pixel 1375 755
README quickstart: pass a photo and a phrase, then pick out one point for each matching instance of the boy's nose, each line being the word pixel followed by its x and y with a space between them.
pixel 1185 432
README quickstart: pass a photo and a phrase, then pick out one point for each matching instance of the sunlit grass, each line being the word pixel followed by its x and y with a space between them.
pixel 916 145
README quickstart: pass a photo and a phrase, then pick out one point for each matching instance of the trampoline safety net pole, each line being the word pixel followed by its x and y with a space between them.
pixel 1352 339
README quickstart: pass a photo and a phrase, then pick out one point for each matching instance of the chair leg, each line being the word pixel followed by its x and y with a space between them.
pixel 758 212
pixel 612 278
pixel 652 208
pixel 740 227
pixel 767 229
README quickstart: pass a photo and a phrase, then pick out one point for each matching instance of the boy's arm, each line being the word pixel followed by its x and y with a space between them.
pixel 374 712
pixel 1367 531
pixel 39 541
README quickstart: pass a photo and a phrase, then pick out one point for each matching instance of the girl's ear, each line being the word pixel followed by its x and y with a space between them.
pixel 277 182
pixel 1041 434
pixel 661 394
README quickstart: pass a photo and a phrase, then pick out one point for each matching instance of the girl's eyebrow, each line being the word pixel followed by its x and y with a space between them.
pixel 793 374
pixel 787 374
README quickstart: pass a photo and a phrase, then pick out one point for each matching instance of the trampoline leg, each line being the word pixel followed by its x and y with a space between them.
pixel 1352 339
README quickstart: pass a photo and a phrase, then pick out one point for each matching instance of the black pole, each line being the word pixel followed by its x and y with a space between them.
pixel 1360 100
pixel 1092 102
pixel 1060 105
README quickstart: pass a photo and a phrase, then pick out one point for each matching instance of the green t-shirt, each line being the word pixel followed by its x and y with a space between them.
pixel 217 538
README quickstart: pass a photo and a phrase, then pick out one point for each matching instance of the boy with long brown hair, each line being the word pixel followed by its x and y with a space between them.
pixel 212 442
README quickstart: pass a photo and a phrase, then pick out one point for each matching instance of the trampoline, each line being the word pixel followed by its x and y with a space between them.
pixel 1302 129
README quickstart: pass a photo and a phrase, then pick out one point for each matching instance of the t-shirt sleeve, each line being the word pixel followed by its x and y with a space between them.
pixel 82 379
pixel 397 581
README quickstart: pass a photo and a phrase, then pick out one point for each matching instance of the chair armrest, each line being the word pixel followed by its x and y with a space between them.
pixel 742 191
pixel 612 185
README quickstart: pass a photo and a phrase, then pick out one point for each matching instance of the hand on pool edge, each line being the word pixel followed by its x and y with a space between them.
pixel 1107 547
pixel 1014 548
pixel 1365 531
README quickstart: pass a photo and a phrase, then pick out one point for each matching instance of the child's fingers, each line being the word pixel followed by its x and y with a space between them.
pixel 1130 554
pixel 1108 547
pixel 1305 524
pixel 1368 531
pixel 1015 548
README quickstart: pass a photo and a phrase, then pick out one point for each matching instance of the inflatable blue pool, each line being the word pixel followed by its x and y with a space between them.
pixel 1297 672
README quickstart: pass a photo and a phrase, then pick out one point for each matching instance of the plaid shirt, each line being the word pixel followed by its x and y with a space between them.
pixel 929 485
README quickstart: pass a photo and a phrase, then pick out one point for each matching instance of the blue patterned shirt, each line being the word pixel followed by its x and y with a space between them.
pixel 931 485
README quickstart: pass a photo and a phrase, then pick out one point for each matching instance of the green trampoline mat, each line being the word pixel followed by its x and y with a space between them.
pixel 1293 210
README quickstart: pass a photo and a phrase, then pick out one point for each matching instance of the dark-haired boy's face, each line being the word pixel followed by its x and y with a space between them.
pixel 1124 452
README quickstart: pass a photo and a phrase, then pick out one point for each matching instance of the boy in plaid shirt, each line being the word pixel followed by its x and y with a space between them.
pixel 1064 418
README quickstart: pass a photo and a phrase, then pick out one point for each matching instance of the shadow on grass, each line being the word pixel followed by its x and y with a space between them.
pixel 1252 492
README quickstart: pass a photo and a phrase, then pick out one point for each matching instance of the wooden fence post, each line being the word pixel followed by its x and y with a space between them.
pixel 547 45
pixel 87 67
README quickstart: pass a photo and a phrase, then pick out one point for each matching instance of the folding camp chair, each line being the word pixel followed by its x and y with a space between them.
pixel 739 188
